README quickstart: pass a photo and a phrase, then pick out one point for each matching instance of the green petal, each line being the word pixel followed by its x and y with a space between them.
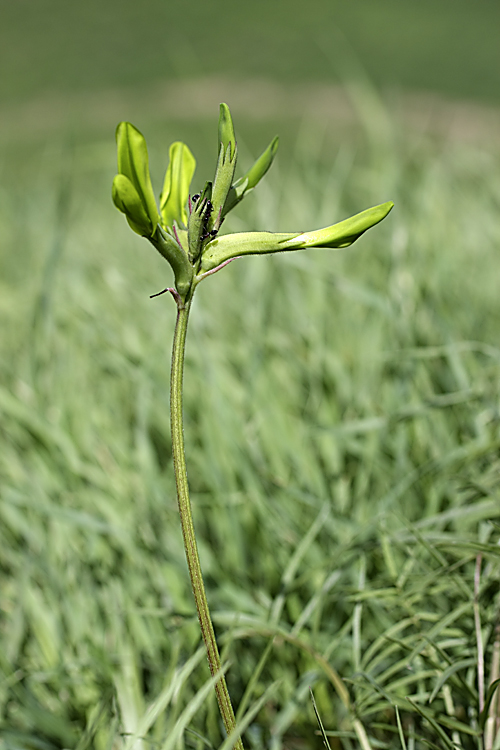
pixel 133 163
pixel 127 200
pixel 176 186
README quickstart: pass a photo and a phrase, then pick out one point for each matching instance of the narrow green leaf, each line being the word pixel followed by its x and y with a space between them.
pixel 127 200
pixel 242 725
pixel 449 672
pixel 458 726
pixel 320 723
pixel 400 728
pixel 133 163
pixel 432 721
pixel 175 735
pixel 487 702
pixel 249 180
pixel 178 178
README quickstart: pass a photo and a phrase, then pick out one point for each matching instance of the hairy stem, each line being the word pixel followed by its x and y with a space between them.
pixel 190 546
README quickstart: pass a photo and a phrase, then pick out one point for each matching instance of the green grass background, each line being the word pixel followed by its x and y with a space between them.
pixel 342 408
pixel 450 47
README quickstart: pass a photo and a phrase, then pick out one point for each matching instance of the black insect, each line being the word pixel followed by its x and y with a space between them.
pixel 206 233
pixel 213 233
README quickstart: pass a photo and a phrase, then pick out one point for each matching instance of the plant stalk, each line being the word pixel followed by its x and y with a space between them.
pixel 188 533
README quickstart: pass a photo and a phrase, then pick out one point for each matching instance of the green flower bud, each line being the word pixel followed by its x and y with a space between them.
pixel 178 178
pixel 339 235
pixel 249 180
pixel 230 246
pixel 344 233
pixel 198 224
pixel 127 200
pixel 133 163
pixel 225 166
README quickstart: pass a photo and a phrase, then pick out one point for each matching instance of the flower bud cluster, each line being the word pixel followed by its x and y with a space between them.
pixel 185 229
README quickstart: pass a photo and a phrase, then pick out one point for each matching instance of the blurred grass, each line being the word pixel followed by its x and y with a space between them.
pixel 342 430
pixel 450 47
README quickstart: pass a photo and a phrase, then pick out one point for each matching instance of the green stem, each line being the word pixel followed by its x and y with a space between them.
pixel 186 515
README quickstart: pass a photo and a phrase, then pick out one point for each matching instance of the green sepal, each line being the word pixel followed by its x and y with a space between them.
pixel 183 238
pixel 339 235
pixel 127 200
pixel 201 213
pixel 169 248
pixel 178 178
pixel 226 165
pixel 344 233
pixel 249 180
pixel 133 163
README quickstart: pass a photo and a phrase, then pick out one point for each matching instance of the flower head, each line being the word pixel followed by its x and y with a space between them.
pixel 185 229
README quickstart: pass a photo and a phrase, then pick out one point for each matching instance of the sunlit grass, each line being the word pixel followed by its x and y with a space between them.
pixel 342 433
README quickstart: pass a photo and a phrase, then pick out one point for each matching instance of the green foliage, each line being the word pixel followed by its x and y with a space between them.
pixel 342 420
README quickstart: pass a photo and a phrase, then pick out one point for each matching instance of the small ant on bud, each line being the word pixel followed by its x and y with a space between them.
pixel 213 233
pixel 195 197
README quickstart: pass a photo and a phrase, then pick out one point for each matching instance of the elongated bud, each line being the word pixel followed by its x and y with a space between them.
pixel 225 166
pixel 249 180
pixel 198 224
pixel 230 246
pixel 175 255
pixel 133 163
pixel 175 192
pixel 339 235
pixel 344 233
pixel 127 200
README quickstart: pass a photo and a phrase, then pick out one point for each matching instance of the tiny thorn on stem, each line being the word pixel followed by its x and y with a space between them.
pixel 175 294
